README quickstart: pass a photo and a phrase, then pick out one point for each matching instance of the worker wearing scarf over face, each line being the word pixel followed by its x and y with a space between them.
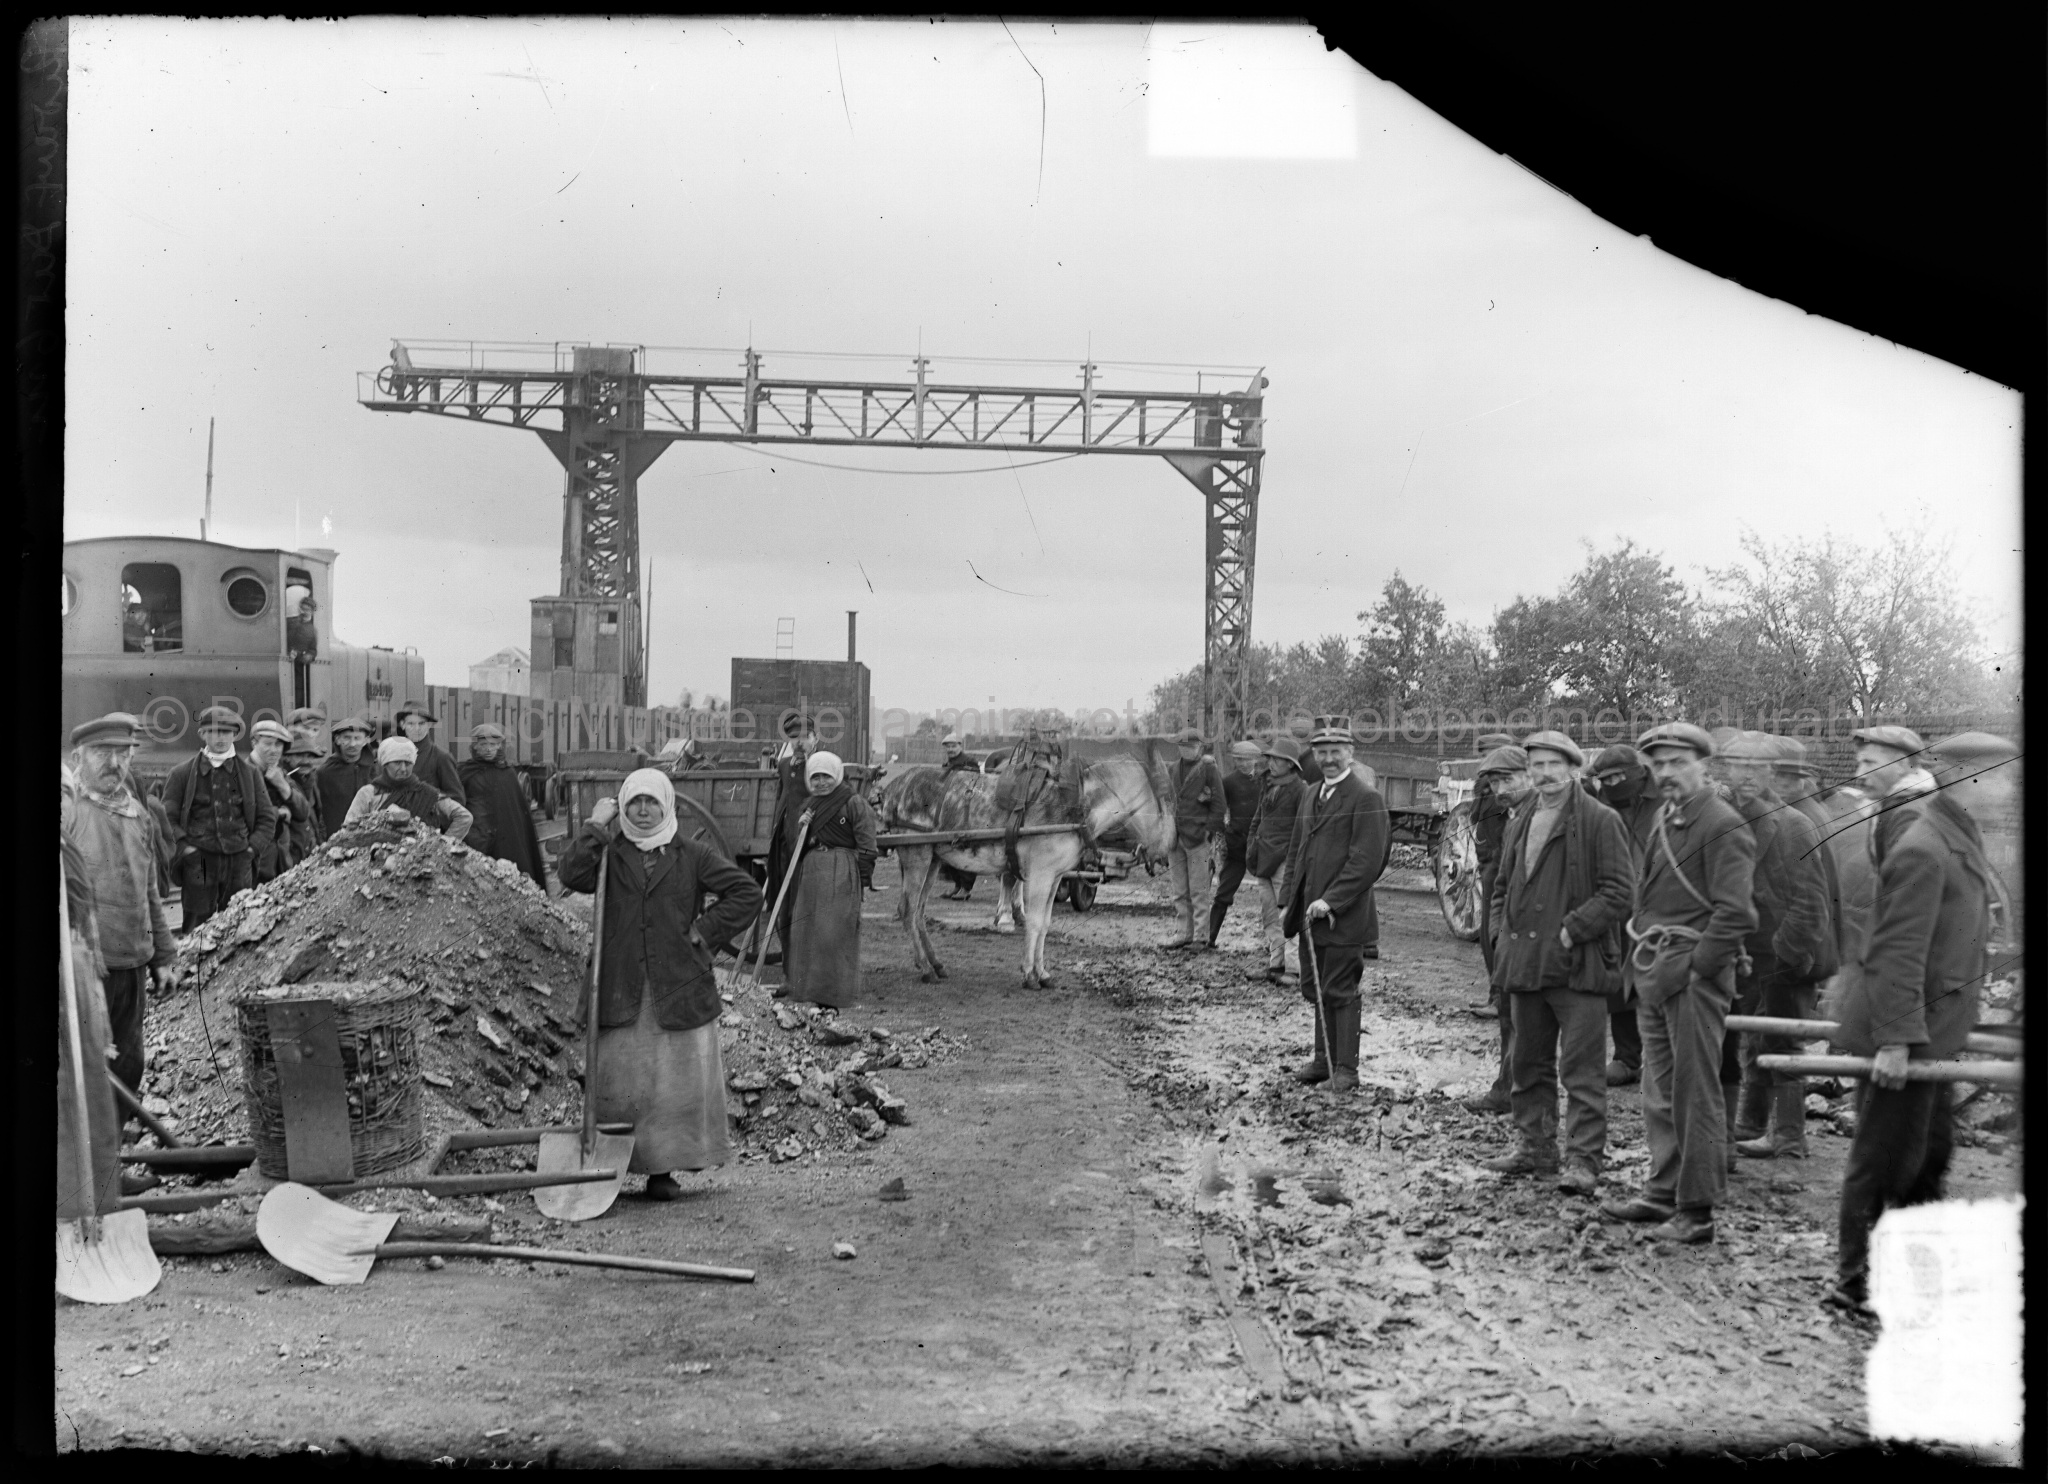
pixel 658 1066
pixel 821 910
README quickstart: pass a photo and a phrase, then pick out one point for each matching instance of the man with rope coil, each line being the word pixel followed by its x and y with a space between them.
pixel 1695 905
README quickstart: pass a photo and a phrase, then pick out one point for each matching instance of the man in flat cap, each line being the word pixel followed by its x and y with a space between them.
pixel 1623 779
pixel 1242 786
pixel 294 809
pixel 433 765
pixel 497 799
pixel 308 722
pixel 1797 781
pixel 956 761
pixel 1915 997
pixel 1501 787
pixel 117 846
pixel 1339 848
pixel 1791 949
pixel 302 760
pixel 1266 848
pixel 1198 819
pixel 343 773
pixel 221 818
pixel 396 791
pixel 1565 885
pixel 1695 904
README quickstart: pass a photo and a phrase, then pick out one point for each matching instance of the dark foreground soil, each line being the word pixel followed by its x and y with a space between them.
pixel 1128 1239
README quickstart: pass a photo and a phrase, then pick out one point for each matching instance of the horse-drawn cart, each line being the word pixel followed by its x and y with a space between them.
pixel 1430 802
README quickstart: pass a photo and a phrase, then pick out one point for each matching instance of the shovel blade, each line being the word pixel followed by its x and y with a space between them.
pixel 323 1239
pixel 120 1265
pixel 561 1154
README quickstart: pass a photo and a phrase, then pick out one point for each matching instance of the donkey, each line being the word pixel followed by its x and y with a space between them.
pixel 1115 791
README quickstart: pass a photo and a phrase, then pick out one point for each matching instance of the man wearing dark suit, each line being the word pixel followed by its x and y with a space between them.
pixel 1339 848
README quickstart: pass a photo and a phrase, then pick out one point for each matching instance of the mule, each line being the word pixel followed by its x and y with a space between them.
pixel 1116 792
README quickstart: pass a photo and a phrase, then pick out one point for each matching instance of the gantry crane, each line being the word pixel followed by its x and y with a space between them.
pixel 608 411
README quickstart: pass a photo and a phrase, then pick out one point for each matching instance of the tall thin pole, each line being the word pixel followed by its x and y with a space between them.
pixel 206 520
pixel 647 641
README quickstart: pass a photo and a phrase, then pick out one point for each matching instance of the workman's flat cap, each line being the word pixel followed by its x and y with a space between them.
pixel 415 708
pixel 1187 735
pixel 306 716
pixel 951 739
pixel 1676 734
pixel 221 716
pixel 1507 758
pixel 304 746
pixel 1244 749
pixel 1899 739
pixel 1331 731
pixel 1789 754
pixel 115 729
pixel 1284 747
pixel 1617 758
pixel 354 724
pixel 1558 743
pixel 1749 747
pixel 1981 748
pixel 486 729
pixel 1486 742
pixel 274 729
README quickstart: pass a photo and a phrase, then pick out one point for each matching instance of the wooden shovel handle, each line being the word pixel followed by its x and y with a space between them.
pixel 1987 1073
pixel 547 1254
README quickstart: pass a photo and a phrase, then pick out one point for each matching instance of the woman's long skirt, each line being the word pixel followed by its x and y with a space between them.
pixel 670 1085
pixel 822 961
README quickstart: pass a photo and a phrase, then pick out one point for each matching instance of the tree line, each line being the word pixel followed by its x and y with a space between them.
pixel 1823 627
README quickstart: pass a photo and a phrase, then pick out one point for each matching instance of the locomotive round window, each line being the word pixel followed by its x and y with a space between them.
pixel 246 594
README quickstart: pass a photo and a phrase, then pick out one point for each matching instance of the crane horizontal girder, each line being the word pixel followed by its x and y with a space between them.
pixel 607 412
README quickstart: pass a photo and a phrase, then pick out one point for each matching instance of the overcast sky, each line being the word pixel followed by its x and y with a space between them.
pixel 1470 373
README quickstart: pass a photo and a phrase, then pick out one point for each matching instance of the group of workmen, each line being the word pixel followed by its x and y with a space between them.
pixel 1632 905
pixel 226 820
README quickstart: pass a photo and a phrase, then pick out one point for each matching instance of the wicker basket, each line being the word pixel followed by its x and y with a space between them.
pixel 377 1023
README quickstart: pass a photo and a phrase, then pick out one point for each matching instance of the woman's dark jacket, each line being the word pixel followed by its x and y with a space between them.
pixel 652 901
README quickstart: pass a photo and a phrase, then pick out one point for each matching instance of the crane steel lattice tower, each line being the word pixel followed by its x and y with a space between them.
pixel 607 413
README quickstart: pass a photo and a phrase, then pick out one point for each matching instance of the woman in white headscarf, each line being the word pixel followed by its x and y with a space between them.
pixel 396 788
pixel 821 911
pixel 658 1066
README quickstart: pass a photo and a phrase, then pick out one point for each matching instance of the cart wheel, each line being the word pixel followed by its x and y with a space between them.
pixel 1455 857
pixel 1081 893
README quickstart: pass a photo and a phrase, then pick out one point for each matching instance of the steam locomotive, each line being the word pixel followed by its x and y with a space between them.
pixel 165 626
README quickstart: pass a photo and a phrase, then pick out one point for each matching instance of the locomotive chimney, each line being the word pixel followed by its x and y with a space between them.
pixel 851 615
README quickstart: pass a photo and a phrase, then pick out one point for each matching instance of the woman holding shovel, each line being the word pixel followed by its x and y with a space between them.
pixel 658 1066
pixel 832 858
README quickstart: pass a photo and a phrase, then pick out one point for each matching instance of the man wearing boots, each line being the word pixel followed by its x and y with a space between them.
pixel 1340 843
pixel 1502 785
pixel 1791 949
pixel 1695 904
pixel 1198 819
pixel 1241 790
pixel 1565 886
pixel 1266 848
pixel 1624 782
pixel 1915 998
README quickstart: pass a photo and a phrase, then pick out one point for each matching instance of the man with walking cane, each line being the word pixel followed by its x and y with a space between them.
pixel 1340 843
pixel 1914 995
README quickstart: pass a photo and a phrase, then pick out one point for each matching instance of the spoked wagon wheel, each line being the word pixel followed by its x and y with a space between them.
pixel 1081 892
pixel 1456 861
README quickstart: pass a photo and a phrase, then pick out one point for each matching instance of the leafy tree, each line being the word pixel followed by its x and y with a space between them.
pixel 1403 644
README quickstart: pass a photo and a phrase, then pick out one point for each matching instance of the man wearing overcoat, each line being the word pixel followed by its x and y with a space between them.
pixel 1267 845
pixel 343 773
pixel 1501 787
pixel 1564 888
pixel 221 818
pixel 1624 782
pixel 1340 844
pixel 502 826
pixel 1695 904
pixel 1915 998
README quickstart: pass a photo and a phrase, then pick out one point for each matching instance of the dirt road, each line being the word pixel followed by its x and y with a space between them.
pixel 1044 1294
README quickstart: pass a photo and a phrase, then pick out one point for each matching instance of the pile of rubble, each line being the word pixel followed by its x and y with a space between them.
pixel 502 967
pixel 803 1079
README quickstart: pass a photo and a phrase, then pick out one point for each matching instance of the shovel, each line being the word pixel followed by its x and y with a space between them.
pixel 589 1150
pixel 796 858
pixel 331 1244
pixel 101 1258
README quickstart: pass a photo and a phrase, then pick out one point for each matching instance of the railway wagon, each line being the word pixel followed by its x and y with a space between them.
pixel 164 626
